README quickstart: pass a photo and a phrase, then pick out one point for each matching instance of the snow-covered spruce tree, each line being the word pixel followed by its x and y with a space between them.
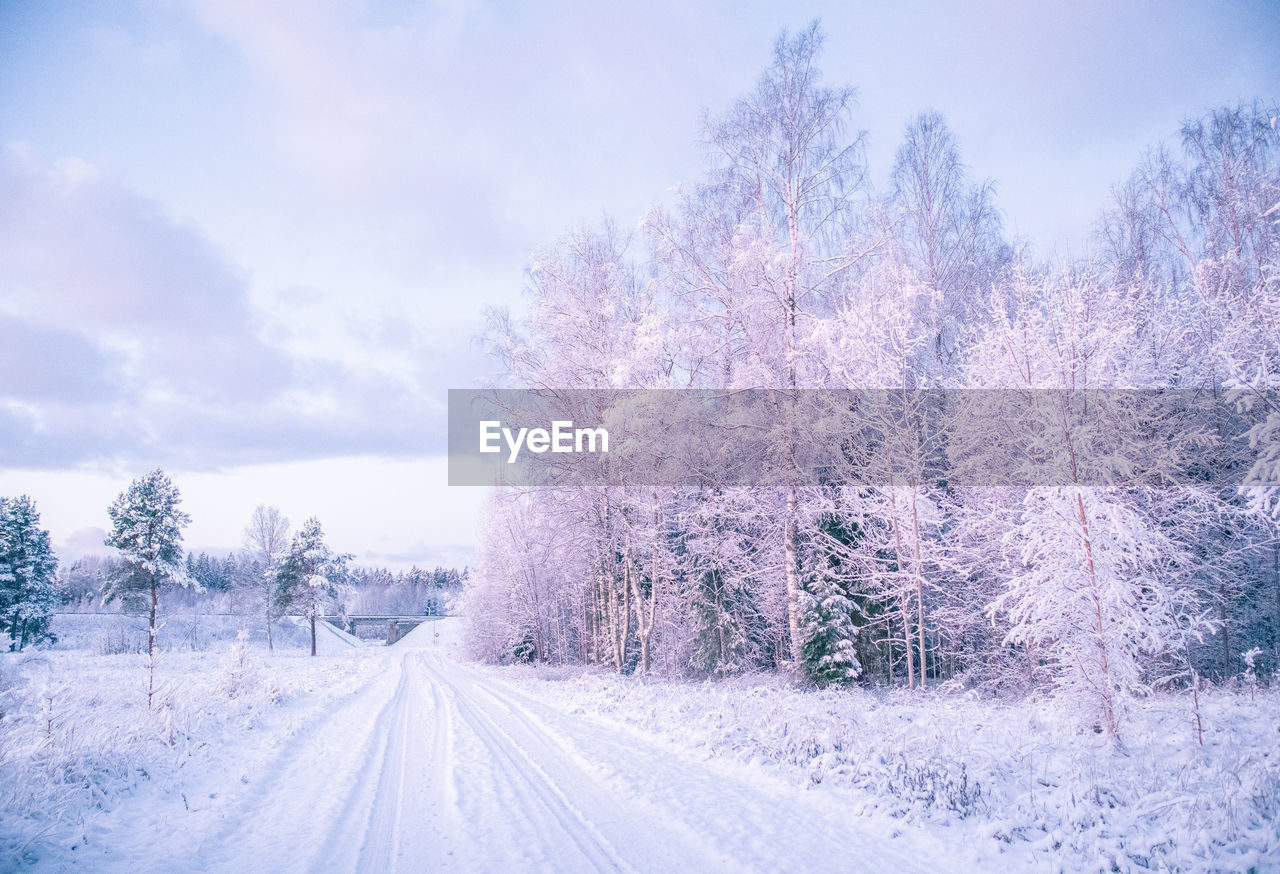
pixel 28 586
pixel 827 611
pixel 147 529
pixel 312 578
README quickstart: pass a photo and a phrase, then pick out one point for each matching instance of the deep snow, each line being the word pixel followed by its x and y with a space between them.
pixel 409 758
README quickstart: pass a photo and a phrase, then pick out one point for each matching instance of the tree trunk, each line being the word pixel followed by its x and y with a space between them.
pixel 903 603
pixel 151 644
pixel 1226 641
pixel 1275 631
pixel 919 572
pixel 151 625
pixel 904 606
pixel 602 619
pixel 626 628
pixel 644 625
pixel 1108 706
pixel 270 646
pixel 789 333
pixel 313 634
pixel 793 579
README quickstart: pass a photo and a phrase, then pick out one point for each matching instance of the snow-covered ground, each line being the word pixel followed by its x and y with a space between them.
pixel 82 757
pixel 408 758
pixel 1020 779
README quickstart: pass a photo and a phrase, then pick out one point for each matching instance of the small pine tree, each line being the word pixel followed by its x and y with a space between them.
pixel 312 578
pixel 28 584
pixel 147 529
pixel 829 635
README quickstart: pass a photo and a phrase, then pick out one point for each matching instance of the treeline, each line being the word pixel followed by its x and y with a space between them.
pixel 782 268
pixel 227 584
pixel 278 571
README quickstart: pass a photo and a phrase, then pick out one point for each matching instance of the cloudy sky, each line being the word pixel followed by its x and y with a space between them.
pixel 251 242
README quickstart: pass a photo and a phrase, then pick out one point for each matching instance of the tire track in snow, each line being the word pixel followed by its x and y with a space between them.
pixel 436 766
pixel 269 827
pixel 531 784
pixel 632 834
pixel 386 806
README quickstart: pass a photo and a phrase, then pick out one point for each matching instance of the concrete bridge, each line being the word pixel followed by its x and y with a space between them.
pixel 371 626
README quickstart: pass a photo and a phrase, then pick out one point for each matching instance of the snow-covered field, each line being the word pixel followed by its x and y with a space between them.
pixel 111 633
pixel 409 758
pixel 78 744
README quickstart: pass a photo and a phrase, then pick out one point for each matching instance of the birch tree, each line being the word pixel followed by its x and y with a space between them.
pixel 790 168
pixel 1093 579
pixel 267 539
pixel 950 231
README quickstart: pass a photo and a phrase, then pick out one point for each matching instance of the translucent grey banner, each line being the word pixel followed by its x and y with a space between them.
pixel 761 437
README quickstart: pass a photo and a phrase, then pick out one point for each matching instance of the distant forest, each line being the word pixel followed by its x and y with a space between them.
pixel 231 585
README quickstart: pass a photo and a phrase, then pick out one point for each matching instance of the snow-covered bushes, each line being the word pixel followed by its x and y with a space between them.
pixel 243 679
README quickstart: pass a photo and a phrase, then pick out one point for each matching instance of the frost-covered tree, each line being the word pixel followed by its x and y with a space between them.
pixel 776 270
pixel 1091 591
pixel 1201 228
pixel 147 529
pixel 828 610
pixel 266 538
pixel 882 341
pixel 786 181
pixel 28 568
pixel 949 229
pixel 1096 585
pixel 721 566
pixel 312 578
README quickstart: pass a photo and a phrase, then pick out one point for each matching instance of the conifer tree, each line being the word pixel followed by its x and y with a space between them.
pixel 28 589
pixel 829 636
pixel 312 577
pixel 147 529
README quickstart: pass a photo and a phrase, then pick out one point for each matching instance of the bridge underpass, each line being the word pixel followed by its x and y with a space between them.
pixel 378 627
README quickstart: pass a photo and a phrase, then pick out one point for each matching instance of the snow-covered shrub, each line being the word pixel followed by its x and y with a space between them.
pixel 241 676
pixel 934 782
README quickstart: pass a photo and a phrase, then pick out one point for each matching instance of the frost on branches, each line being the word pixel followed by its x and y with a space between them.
pixel 782 268
pixel 28 587
pixel 312 578
pixel 146 526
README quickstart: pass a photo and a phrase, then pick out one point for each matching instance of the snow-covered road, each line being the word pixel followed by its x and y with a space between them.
pixel 435 765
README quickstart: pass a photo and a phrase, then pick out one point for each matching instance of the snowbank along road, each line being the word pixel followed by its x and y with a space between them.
pixel 435 765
